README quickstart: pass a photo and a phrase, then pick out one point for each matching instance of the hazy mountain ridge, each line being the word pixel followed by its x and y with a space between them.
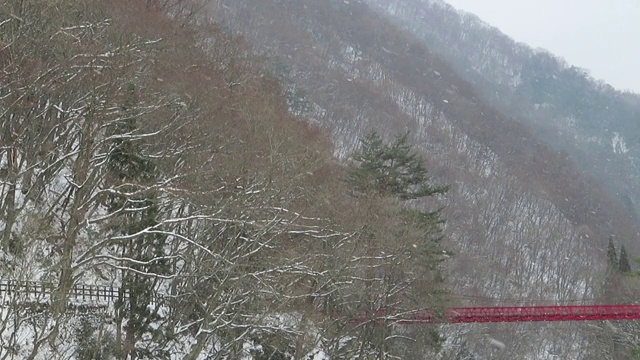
pixel 564 104
pixel 516 207
pixel 145 149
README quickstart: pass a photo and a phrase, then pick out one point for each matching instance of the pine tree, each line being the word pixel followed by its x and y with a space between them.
pixel 623 263
pixel 612 257
pixel 136 209
pixel 395 172
pixel 391 169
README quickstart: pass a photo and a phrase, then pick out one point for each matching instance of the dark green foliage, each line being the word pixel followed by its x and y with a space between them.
pixel 91 344
pixel 395 171
pixel 428 247
pixel 436 340
pixel 612 256
pixel 137 213
pixel 391 170
pixel 429 222
pixel 623 263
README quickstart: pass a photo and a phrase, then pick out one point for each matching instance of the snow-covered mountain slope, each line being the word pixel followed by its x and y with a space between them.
pixel 567 108
pixel 526 226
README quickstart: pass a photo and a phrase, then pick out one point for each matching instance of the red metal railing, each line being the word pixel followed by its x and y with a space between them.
pixel 451 315
pixel 515 314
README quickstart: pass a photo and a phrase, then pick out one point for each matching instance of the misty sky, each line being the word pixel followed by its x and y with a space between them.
pixel 601 36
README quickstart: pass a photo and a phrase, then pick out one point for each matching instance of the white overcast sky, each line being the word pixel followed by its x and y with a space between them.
pixel 598 35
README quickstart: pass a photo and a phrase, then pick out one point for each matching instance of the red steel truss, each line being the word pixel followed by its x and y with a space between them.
pixel 515 314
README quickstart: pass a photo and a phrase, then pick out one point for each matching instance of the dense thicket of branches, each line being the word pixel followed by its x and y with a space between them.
pixel 142 148
pixel 518 211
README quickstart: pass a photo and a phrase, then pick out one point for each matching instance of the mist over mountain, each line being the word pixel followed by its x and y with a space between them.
pixel 538 154
pixel 597 125
pixel 293 179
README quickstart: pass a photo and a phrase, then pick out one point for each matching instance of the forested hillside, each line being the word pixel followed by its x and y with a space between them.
pixel 260 179
pixel 144 149
pixel 597 125
pixel 526 224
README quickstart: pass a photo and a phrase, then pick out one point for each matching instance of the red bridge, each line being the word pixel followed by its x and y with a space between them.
pixel 514 314
pixel 451 315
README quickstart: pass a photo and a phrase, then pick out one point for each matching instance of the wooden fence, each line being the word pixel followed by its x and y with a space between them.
pixel 79 292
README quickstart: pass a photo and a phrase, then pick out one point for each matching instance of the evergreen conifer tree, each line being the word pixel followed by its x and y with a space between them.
pixel 391 169
pixel 612 256
pixel 395 171
pixel 623 263
pixel 136 211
